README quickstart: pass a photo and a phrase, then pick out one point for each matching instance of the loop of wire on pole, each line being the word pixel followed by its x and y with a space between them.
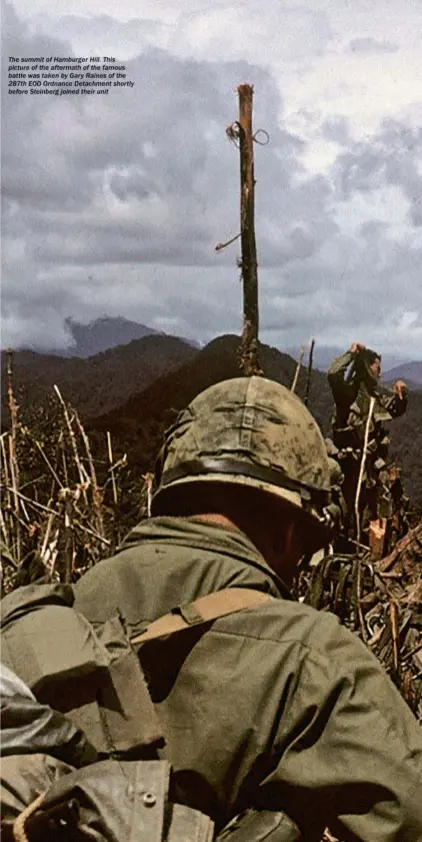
pixel 233 132
pixel 264 142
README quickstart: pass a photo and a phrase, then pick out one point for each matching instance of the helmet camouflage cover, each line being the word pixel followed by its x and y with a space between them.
pixel 250 431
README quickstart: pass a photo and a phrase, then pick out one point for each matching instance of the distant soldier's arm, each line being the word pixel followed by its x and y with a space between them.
pixel 336 374
pixel 395 400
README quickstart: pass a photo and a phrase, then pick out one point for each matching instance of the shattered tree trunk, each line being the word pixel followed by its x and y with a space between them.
pixel 249 345
pixel 407 553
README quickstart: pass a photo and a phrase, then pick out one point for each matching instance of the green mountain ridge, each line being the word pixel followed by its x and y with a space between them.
pixel 136 390
pixel 138 425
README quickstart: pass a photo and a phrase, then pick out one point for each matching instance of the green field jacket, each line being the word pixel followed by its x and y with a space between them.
pixel 277 706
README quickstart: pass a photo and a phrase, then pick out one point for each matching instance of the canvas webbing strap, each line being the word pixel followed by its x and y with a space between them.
pixel 202 610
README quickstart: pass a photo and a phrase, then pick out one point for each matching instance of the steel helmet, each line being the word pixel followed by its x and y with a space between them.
pixel 249 431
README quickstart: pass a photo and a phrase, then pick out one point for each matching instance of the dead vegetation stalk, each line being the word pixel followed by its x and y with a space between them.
pixel 97 497
pixel 83 476
pixel 13 463
pixel 362 467
pixel 309 373
pixel 56 478
pixel 60 514
pixel 110 458
pixel 297 370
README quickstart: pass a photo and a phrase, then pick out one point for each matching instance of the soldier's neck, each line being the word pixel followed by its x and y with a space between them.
pixel 217 520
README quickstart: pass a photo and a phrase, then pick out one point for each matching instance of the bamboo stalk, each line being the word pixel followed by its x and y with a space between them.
pixel 148 483
pixel 50 555
pixel 394 619
pixel 23 507
pixel 83 476
pixel 64 463
pixel 362 466
pixel 359 599
pixel 414 651
pixel 110 457
pixel 91 532
pixel 6 485
pixel 15 496
pixel 18 519
pixel 97 496
pixel 32 481
pixel 4 456
pixel 68 538
pixel 4 529
pixel 298 367
pixel 35 503
pixel 26 432
pixel 308 377
pixel 50 521
pixel 13 463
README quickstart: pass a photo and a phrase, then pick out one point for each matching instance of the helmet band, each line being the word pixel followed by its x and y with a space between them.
pixel 196 467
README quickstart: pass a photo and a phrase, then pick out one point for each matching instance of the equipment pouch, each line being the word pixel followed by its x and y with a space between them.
pixel 93 677
pixel 111 801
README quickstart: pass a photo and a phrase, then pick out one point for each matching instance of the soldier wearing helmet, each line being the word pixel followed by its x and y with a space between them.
pixel 272 707
pixel 354 379
pixel 249 434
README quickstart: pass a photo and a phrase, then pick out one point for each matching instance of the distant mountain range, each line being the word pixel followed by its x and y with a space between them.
pixel 137 426
pixel 88 340
pixel 410 372
pixel 135 390
pixel 325 354
pixel 95 384
pixel 219 360
pixel 102 334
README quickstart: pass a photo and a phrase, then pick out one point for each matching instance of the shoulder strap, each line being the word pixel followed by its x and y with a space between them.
pixel 202 610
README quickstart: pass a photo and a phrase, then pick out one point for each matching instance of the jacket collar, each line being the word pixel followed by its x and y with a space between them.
pixel 195 533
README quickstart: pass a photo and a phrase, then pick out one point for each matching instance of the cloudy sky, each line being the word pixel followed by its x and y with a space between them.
pixel 113 204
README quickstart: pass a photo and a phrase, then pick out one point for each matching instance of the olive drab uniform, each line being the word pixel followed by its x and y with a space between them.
pixel 59 681
pixel 275 707
pixel 273 711
pixel 352 400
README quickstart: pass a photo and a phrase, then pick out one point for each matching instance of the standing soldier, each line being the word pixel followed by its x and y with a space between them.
pixel 354 379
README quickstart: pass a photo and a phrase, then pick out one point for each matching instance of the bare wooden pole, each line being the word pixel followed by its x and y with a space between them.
pixel 308 378
pixel 249 264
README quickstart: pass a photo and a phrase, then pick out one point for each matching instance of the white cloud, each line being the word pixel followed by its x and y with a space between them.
pixel 121 201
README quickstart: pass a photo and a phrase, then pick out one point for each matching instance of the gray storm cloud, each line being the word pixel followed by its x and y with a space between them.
pixel 391 157
pixel 116 205
pixel 369 46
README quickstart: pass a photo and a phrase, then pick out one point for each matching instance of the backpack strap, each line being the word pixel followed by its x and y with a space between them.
pixel 201 611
